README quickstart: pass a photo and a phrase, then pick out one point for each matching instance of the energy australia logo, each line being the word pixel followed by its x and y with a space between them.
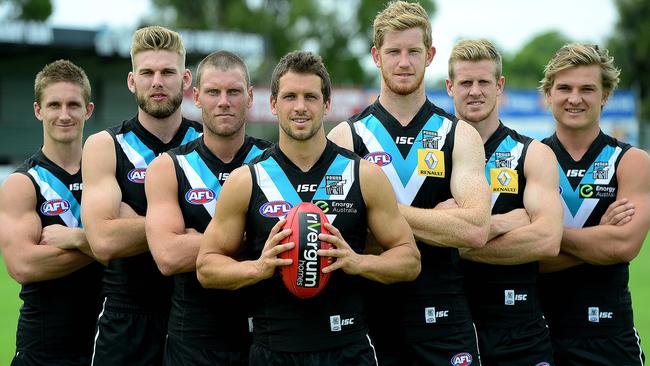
pixel 430 139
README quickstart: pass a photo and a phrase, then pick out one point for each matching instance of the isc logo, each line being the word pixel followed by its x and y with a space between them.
pixel 199 196
pixel 571 173
pixel 403 140
pixel 275 209
pixel 462 359
pixel 137 175
pixel 55 207
pixel 75 186
pixel 379 157
pixel 307 188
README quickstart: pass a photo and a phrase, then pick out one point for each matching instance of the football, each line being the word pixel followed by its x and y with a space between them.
pixel 304 277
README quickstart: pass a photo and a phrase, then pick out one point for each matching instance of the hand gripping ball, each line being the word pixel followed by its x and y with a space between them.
pixel 304 277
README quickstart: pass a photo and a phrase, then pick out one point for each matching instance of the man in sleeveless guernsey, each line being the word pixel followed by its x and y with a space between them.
pixel 132 326
pixel 606 198
pixel 330 328
pixel 43 243
pixel 431 159
pixel 206 326
pixel 526 222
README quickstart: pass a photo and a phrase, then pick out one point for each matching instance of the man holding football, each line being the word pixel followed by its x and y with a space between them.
pixel 328 329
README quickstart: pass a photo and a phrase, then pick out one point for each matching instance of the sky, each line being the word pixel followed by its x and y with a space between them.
pixel 508 23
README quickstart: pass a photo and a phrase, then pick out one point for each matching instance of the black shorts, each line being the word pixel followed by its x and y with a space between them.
pixel 457 348
pixel 362 354
pixel 127 338
pixel 524 344
pixel 179 353
pixel 623 349
pixel 30 358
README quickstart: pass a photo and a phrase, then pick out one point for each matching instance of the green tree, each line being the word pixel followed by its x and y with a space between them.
pixel 630 47
pixel 525 69
pixel 339 30
pixel 37 10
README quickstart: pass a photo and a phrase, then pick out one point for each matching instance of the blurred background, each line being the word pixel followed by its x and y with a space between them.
pixel 96 35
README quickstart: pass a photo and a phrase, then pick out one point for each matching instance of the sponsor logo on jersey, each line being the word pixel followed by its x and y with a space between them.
pixel 55 207
pixel 379 157
pixel 431 315
pixel 510 297
pixel 75 186
pixel 462 359
pixel 275 209
pixel 336 207
pixel 404 140
pixel 306 188
pixel 594 314
pixel 596 191
pixel 572 173
pixel 601 170
pixel 430 139
pixel 337 324
pixel 431 163
pixel 504 180
pixel 199 196
pixel 503 159
pixel 334 185
pixel 137 175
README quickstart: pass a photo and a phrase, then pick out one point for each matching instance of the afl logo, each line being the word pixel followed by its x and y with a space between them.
pixel 199 196
pixel 55 207
pixel 462 359
pixel 275 209
pixel 379 157
pixel 136 175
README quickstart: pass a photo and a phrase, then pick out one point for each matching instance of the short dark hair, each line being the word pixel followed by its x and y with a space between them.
pixel 301 62
pixel 223 60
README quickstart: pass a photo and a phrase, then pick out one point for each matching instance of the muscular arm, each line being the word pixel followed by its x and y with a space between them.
pixel 216 266
pixel 610 244
pixel 26 260
pixel 109 235
pixel 342 136
pixel 173 247
pixel 541 237
pixel 467 225
pixel 400 258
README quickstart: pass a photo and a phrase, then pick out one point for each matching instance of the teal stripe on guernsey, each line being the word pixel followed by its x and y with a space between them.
pixel 507 144
pixel 571 196
pixel 138 147
pixel 255 152
pixel 190 135
pixel 58 190
pixel 338 166
pixel 280 181
pixel 403 166
pixel 202 170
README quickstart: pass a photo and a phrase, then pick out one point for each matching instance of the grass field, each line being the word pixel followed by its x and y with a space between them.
pixel 639 285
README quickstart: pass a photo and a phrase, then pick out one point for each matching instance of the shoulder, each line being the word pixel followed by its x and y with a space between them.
pixel 635 164
pixel 539 158
pixel 18 187
pixel 341 135
pixel 102 139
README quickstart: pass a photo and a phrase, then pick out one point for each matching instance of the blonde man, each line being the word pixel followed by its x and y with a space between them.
pixel 43 243
pixel 606 196
pixel 432 160
pixel 132 326
pixel 526 222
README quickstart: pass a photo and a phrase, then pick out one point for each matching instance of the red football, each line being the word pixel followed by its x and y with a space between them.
pixel 304 277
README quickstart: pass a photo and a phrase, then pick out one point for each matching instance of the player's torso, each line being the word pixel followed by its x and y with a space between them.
pixel 336 315
pixel 588 295
pixel 214 318
pixel 136 280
